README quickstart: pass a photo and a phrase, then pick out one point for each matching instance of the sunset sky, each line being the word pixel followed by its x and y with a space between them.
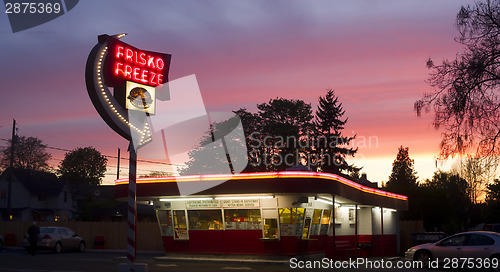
pixel 372 53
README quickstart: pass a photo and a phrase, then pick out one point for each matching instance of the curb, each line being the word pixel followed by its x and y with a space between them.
pixel 246 259
pixel 219 260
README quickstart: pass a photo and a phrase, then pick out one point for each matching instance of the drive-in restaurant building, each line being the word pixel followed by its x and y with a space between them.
pixel 278 213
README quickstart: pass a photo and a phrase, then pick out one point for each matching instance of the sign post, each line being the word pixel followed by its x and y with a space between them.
pixel 133 73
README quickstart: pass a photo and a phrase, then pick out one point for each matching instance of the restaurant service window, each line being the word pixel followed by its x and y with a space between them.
pixel 325 222
pixel 180 225
pixel 242 219
pixel 205 219
pixel 165 221
pixel 271 228
pixel 314 227
pixel 291 215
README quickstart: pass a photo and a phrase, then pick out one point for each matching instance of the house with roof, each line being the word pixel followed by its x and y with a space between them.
pixel 35 195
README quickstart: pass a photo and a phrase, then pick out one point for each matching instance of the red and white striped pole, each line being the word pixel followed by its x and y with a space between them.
pixel 132 206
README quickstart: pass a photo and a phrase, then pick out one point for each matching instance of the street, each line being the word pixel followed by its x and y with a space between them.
pixel 17 260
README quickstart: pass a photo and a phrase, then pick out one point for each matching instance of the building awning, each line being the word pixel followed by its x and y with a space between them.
pixel 287 182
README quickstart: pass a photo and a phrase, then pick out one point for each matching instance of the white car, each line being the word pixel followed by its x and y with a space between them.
pixel 57 239
pixel 473 249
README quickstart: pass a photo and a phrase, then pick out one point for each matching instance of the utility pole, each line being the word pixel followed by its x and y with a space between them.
pixel 9 188
pixel 118 166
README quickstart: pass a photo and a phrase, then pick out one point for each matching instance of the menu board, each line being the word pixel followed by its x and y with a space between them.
pixel 230 203
pixel 203 203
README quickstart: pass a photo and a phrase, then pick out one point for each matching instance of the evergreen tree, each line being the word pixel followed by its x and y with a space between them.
pixel 403 175
pixel 330 146
pixel 403 180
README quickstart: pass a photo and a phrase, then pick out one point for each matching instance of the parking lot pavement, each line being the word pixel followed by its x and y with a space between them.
pixel 18 260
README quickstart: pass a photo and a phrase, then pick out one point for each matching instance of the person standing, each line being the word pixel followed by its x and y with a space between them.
pixel 33 233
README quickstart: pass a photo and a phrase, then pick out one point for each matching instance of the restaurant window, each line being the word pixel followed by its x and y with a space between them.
pixel 325 219
pixel 165 222
pixel 270 228
pixel 180 226
pixel 316 216
pixel 291 215
pixel 205 219
pixel 325 222
pixel 244 219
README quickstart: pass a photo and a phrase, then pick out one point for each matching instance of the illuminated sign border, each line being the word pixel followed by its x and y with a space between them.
pixel 267 175
pixel 103 100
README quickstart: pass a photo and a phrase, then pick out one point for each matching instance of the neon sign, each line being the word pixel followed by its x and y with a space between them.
pixel 127 63
pixel 133 74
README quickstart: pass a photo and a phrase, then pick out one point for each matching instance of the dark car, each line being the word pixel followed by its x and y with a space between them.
pixel 58 239
pixel 477 248
pixel 488 227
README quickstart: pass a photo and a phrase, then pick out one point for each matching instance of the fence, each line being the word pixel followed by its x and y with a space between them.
pixel 406 228
pixel 114 233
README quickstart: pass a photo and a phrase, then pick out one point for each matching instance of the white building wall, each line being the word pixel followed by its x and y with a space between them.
pixel 390 222
pixel 342 224
pixel 365 221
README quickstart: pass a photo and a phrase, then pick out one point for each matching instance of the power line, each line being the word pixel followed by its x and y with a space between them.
pixel 109 156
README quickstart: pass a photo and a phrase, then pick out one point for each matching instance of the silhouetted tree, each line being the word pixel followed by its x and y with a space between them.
pixel 329 145
pixel 493 202
pixel 29 153
pixel 221 150
pixel 83 164
pixel 478 172
pixel 403 180
pixel 285 125
pixel 444 203
pixel 466 99
pixel 403 175
pixel 252 126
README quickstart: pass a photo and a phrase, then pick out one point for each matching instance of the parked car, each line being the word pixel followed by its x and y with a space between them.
pixel 472 246
pixel 488 227
pixel 57 239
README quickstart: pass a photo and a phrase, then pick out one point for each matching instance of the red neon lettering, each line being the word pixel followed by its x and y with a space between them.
pixel 159 64
pixel 160 79
pixel 152 76
pixel 128 54
pixel 136 73
pixel 128 72
pixel 138 66
pixel 151 63
pixel 118 65
pixel 144 75
pixel 119 51
pixel 142 58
